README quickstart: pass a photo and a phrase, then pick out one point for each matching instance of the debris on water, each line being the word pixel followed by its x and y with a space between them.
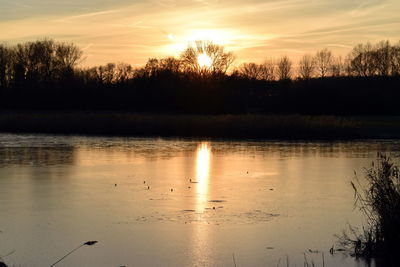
pixel 115 184
pixel 172 189
pixel 144 182
pixel 90 243
pixel 148 187
pixel 313 251
pixel 269 247
pixel 189 210
pixel 87 243
pixel 189 187
pixel 217 200
pixel 271 189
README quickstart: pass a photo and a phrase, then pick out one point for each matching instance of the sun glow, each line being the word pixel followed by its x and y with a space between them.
pixel 179 40
pixel 204 61
pixel 203 156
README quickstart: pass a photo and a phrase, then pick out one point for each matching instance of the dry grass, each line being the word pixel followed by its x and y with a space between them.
pixel 379 200
pixel 218 126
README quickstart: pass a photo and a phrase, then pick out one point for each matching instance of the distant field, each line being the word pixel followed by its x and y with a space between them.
pixel 216 126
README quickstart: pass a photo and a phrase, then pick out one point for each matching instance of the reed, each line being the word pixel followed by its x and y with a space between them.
pixel 378 198
pixel 251 126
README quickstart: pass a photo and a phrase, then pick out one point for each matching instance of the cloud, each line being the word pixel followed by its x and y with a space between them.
pixel 133 32
pixel 86 15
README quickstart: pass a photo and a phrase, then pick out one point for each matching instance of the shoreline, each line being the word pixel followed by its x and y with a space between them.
pixel 248 126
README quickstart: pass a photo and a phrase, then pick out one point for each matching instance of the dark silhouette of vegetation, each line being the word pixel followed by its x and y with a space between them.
pixel 306 67
pixel 44 75
pixel 324 62
pixel 284 68
pixel 219 60
pixel 379 200
pixel 216 126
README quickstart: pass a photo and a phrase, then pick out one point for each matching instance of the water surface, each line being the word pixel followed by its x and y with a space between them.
pixel 157 202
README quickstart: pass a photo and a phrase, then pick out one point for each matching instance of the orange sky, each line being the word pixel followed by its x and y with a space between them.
pixel 132 31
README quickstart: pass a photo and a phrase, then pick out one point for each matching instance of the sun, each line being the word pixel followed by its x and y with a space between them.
pixel 178 40
pixel 204 60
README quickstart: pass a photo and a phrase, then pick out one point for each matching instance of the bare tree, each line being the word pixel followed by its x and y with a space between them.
pixel 347 66
pixel 337 67
pixel 323 61
pixel 361 60
pixel 381 58
pixel 251 71
pixel 6 57
pixel 268 70
pixel 284 68
pixel 151 67
pixel 66 57
pixel 220 61
pixel 107 73
pixel 170 64
pixel 395 60
pixel 307 66
pixel 123 72
pixel 36 58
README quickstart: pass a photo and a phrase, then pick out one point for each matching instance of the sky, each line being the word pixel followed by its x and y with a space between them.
pixel 133 31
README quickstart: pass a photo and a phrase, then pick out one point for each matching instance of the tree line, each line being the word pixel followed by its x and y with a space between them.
pixel 46 74
pixel 364 60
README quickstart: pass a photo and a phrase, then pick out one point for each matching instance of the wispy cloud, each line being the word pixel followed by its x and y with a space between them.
pixel 86 15
pixel 133 32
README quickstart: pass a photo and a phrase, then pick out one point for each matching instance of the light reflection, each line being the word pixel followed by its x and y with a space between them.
pixel 203 155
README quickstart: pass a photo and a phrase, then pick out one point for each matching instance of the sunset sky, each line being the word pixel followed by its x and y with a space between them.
pixel 132 31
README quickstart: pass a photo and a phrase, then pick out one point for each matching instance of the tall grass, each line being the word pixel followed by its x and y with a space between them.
pixel 378 198
pixel 216 126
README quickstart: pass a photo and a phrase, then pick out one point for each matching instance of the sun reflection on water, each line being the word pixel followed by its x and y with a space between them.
pixel 203 155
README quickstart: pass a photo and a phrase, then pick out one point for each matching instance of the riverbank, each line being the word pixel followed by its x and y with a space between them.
pixel 249 126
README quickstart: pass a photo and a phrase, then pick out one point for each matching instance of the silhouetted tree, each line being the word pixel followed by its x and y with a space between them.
pixel 284 68
pixel 123 73
pixel 323 60
pixel 307 66
pixel 155 67
pixel 6 58
pixel 361 60
pixel 220 61
pixel 395 60
pixel 337 67
pixel 382 58
pixel 45 74
pixel 268 70
pixel 170 64
pixel 66 57
pixel 251 71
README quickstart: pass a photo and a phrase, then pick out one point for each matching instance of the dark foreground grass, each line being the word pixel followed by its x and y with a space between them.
pixel 250 126
pixel 379 200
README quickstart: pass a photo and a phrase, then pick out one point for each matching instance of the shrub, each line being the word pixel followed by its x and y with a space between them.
pixel 378 198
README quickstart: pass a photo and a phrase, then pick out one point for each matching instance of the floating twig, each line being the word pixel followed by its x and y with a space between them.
pixel 88 243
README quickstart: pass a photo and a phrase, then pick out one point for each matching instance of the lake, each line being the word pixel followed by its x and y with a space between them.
pixel 170 202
